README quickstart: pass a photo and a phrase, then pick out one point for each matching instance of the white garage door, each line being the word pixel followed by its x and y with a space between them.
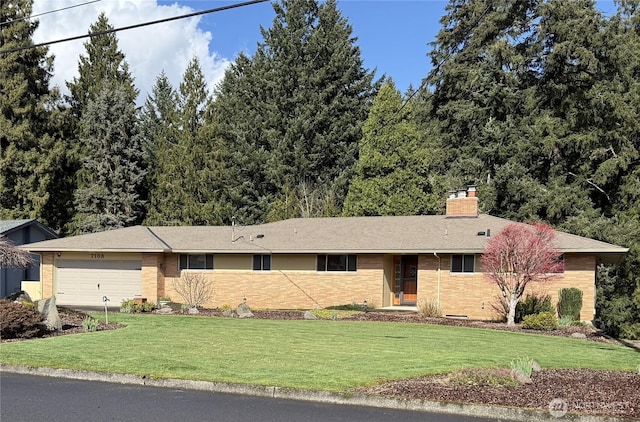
pixel 84 283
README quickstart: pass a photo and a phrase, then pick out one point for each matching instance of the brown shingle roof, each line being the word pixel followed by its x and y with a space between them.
pixel 406 234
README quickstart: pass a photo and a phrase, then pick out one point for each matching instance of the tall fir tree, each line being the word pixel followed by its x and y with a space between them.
pixel 103 63
pixel 33 150
pixel 108 195
pixel 303 97
pixel 392 175
pixel 190 175
pixel 154 124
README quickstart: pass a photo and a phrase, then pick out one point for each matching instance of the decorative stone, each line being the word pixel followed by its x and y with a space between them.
pixel 228 313
pixel 193 311
pixel 309 315
pixel 521 377
pixel 165 310
pixel 535 366
pixel 244 311
pixel 579 335
pixel 47 307
pixel 20 297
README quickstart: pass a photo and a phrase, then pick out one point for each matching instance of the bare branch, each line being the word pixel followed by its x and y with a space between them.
pixel 10 256
pixel 194 288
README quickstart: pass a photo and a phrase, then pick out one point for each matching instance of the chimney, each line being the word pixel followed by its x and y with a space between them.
pixel 462 203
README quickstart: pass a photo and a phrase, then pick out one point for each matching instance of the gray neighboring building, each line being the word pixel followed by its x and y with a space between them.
pixel 21 232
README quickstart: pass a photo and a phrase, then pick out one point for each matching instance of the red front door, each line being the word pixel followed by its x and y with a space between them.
pixel 405 280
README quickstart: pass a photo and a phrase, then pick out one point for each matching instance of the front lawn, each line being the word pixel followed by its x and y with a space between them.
pixel 323 355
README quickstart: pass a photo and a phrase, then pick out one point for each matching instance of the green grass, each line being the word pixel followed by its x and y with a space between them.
pixel 324 355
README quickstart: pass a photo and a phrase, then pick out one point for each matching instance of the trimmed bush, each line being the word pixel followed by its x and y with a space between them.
pixel 533 304
pixel 545 321
pixel 570 303
pixel 18 321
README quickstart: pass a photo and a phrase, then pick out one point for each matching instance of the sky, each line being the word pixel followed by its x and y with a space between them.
pixel 393 36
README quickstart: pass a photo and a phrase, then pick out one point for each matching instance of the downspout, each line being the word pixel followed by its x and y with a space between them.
pixel 438 297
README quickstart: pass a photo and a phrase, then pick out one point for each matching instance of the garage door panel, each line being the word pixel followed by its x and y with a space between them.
pixel 85 283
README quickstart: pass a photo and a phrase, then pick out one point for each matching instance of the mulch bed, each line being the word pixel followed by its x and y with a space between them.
pixel 586 391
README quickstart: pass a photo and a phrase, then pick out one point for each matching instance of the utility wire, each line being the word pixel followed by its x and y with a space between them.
pixel 139 25
pixel 46 13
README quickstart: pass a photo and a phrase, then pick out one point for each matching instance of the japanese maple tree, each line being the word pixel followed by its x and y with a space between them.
pixel 518 255
pixel 10 256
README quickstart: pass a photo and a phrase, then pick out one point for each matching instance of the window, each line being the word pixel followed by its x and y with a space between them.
pixel 337 262
pixel 560 262
pixel 261 262
pixel 196 262
pixel 463 263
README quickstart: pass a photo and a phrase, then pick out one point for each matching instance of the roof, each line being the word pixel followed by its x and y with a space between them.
pixel 401 234
pixel 8 226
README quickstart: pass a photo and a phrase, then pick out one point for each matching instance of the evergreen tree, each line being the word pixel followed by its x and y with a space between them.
pixel 31 183
pixel 154 125
pixel 103 64
pixel 392 175
pixel 190 175
pixel 295 109
pixel 108 194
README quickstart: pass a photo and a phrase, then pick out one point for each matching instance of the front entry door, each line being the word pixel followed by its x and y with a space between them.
pixel 405 280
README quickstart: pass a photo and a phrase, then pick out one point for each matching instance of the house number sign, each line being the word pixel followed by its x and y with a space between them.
pixel 97 256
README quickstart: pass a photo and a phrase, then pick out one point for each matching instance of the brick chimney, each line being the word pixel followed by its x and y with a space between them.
pixel 462 203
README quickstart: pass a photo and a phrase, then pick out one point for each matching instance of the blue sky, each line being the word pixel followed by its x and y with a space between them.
pixel 393 35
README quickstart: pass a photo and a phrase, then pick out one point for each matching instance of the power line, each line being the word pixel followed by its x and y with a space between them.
pixel 46 13
pixel 139 25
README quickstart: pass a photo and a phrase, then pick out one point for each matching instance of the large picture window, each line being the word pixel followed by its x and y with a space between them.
pixel 261 262
pixel 337 262
pixel 463 263
pixel 196 262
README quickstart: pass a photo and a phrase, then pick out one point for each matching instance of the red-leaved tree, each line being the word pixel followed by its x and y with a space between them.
pixel 518 255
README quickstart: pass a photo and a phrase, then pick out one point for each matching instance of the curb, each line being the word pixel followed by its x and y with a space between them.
pixel 476 410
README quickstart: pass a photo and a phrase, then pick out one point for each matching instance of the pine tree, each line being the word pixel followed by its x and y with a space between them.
pixel 32 130
pixel 392 175
pixel 190 174
pixel 302 99
pixel 108 194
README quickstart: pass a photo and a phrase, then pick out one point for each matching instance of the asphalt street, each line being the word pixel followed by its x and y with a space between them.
pixel 40 398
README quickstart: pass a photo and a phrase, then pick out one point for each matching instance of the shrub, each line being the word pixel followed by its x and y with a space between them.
pixel 570 303
pixel 630 331
pixel 565 321
pixel 194 288
pixel 349 307
pixel 545 321
pixel 429 308
pixel 18 321
pixel 522 365
pixel 130 306
pixel 533 304
pixel 90 324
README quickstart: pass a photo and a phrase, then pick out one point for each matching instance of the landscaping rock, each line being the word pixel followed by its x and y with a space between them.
pixel 309 315
pixel 521 377
pixel 47 307
pixel 20 297
pixel 244 311
pixel 578 335
pixel 228 313
pixel 193 311
pixel 165 310
pixel 535 366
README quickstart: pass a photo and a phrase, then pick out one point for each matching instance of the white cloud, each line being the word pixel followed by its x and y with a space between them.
pixel 148 50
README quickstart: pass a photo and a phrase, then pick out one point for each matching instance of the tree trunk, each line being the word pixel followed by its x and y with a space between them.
pixel 511 316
